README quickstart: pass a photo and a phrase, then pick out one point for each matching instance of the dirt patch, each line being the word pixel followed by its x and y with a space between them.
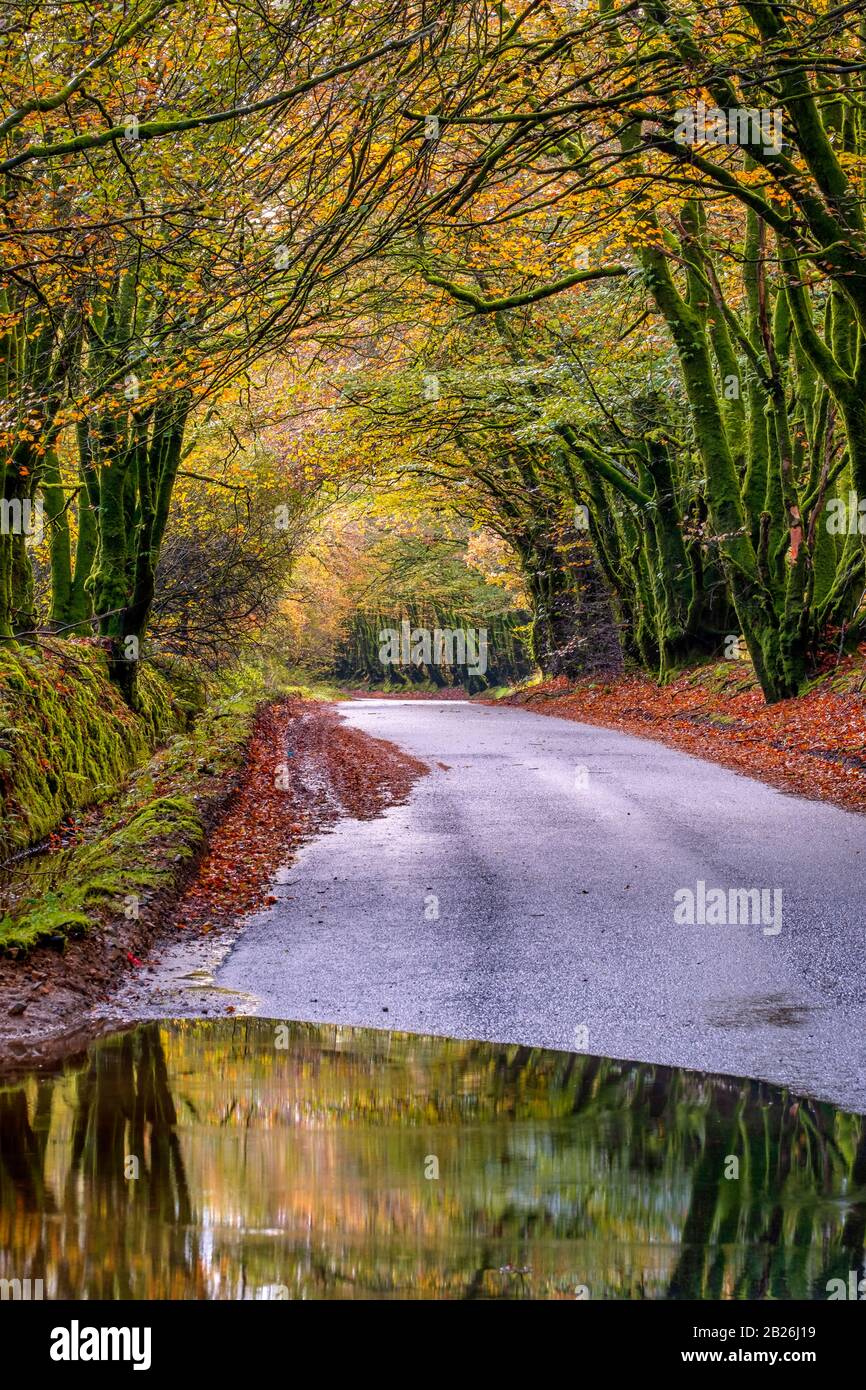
pixel 812 745
pixel 303 769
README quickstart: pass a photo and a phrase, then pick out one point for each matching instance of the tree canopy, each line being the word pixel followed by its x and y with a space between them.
pixel 588 279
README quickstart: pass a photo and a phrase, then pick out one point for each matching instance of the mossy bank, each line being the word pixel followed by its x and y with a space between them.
pixel 77 916
pixel 67 737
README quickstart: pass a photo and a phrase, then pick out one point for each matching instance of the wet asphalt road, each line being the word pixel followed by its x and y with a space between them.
pixel 525 893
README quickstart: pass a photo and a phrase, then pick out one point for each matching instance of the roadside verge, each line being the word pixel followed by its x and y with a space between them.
pixel 191 844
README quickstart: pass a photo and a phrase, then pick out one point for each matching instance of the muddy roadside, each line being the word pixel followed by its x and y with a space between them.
pixel 300 770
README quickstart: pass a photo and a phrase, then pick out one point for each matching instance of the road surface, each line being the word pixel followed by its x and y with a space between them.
pixel 526 893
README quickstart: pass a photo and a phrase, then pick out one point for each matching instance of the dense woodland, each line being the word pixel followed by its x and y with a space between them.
pixel 546 318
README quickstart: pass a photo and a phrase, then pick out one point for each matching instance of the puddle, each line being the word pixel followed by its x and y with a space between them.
pixel 250 1159
pixel 207 983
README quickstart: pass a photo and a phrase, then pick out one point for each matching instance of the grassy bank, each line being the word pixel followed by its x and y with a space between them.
pixel 67 737
pixel 139 846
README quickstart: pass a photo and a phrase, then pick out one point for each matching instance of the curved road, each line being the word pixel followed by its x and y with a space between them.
pixel 526 893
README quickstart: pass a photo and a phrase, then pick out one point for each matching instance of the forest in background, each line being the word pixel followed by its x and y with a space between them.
pixel 545 320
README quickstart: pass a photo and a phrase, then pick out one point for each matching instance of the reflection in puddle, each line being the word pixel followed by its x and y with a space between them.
pixel 248 1159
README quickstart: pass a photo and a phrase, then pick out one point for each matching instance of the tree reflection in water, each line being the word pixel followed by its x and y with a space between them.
pixel 120 1108
pixel 205 1160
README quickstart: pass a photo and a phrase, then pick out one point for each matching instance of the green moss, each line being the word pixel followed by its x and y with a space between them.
pixel 138 854
pixel 150 829
pixel 48 918
pixel 67 738
pixel 165 818
pixel 146 836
